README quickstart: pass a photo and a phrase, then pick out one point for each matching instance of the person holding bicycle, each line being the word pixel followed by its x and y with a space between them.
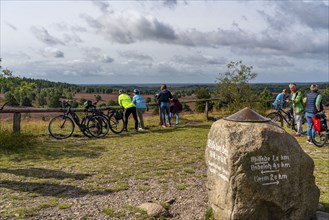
pixel 297 106
pixel 313 105
pixel 124 101
pixel 280 99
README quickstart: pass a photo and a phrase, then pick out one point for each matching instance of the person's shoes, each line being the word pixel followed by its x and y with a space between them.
pixel 168 125
pixel 298 135
pixel 309 142
pixel 164 126
pixel 140 129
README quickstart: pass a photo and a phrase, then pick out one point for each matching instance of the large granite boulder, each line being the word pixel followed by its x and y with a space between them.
pixel 258 171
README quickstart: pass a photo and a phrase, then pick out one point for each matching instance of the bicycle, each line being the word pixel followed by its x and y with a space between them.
pixel 92 109
pixel 62 126
pixel 114 116
pixel 280 116
pixel 321 133
pixel 115 119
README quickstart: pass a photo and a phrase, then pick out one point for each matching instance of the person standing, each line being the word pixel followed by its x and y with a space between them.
pixel 140 104
pixel 313 105
pixel 280 99
pixel 163 98
pixel 124 101
pixel 297 106
pixel 175 108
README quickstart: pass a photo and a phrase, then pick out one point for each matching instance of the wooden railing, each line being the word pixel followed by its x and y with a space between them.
pixel 18 111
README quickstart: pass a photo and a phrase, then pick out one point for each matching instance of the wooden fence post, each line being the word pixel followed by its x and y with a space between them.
pixel 17 122
pixel 206 110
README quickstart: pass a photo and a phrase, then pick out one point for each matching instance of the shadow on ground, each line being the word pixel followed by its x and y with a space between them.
pixel 45 173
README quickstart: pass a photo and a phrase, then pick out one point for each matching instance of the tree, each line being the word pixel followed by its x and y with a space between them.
pixel 203 93
pixel 24 93
pixel 265 97
pixel 54 96
pixel 233 86
pixel 325 96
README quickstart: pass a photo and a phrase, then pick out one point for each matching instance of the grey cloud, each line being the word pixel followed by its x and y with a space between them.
pixel 102 5
pixel 43 35
pixel 52 52
pixel 72 39
pixel 198 60
pixel 106 59
pixel 91 21
pixel 130 27
pixel 135 55
pixel 272 63
pixel 170 3
pixel 62 26
pixel 95 54
pixel 314 14
pixel 278 22
pixel 11 26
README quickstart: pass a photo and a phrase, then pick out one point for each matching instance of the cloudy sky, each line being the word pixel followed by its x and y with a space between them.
pixel 168 41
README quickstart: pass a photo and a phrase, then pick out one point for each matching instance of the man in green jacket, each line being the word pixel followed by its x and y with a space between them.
pixel 124 101
pixel 298 107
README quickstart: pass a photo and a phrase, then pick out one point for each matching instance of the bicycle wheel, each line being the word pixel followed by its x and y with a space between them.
pixel 83 127
pixel 116 125
pixel 98 126
pixel 276 118
pixel 61 127
pixel 320 138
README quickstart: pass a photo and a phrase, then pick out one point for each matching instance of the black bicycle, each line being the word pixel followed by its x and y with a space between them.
pixel 321 133
pixel 115 119
pixel 114 116
pixel 281 117
pixel 62 126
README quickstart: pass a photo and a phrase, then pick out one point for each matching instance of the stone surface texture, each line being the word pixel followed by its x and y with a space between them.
pixel 258 171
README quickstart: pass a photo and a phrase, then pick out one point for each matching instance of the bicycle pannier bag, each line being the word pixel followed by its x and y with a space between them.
pixel 316 123
pixel 319 122
pixel 118 115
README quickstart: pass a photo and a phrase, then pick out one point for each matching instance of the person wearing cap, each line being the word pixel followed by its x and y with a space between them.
pixel 297 106
pixel 124 101
pixel 140 104
pixel 313 105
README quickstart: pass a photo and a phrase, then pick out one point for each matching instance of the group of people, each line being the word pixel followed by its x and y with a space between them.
pixel 168 103
pixel 309 105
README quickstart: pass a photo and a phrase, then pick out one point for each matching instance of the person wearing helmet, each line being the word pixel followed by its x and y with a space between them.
pixel 140 104
pixel 124 101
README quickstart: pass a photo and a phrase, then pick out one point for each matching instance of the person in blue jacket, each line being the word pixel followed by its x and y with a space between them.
pixel 140 104
pixel 280 99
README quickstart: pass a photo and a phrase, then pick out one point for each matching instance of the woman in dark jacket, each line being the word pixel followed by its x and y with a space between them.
pixel 163 98
pixel 175 108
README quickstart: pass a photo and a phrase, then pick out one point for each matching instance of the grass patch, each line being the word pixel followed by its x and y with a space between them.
pixel 64 206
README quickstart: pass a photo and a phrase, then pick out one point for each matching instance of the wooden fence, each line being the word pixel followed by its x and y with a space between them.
pixel 18 111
